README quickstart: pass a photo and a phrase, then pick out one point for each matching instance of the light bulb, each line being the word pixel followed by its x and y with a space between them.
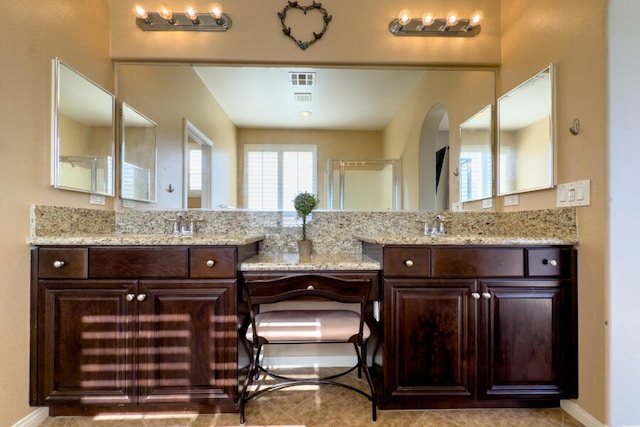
pixel 428 19
pixel 476 18
pixel 191 13
pixel 165 12
pixel 452 18
pixel 216 10
pixel 141 12
pixel 404 17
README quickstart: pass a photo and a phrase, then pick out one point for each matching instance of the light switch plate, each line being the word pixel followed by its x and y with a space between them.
pixel 127 203
pixel 576 193
pixel 487 203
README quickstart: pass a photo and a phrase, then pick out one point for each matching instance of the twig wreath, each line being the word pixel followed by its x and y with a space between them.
pixel 326 18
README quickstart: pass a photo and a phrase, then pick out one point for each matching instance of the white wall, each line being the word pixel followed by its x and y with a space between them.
pixel 624 178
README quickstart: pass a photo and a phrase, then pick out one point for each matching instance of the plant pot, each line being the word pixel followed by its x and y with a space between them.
pixel 305 247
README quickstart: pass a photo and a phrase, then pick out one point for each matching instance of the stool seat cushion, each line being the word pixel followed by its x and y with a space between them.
pixel 308 326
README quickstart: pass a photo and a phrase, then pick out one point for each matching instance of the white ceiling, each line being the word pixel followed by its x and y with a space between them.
pixel 354 99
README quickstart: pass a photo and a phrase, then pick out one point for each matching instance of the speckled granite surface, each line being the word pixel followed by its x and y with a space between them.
pixel 293 262
pixel 332 232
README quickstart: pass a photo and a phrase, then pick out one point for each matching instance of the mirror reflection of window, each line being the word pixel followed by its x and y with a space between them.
pixel 475 167
pixel 274 174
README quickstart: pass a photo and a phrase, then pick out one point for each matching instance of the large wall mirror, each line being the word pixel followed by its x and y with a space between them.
pixel 526 136
pixel 138 148
pixel 83 134
pixel 476 156
pixel 345 112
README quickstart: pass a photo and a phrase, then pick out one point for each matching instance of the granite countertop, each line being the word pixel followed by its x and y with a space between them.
pixel 385 239
pixel 292 262
pixel 118 239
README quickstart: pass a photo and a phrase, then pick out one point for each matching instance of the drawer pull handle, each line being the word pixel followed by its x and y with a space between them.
pixel 141 297
pixel 551 262
pixel 475 295
pixel 130 297
pixel 210 263
pixel 408 263
pixel 486 295
pixel 58 264
pixel 310 288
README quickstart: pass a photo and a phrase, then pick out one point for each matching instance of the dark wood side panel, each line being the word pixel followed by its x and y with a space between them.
pixel 477 262
pixel 138 262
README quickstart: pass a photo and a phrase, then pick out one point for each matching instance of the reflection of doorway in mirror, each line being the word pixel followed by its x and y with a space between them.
pixel 433 169
pixel 198 161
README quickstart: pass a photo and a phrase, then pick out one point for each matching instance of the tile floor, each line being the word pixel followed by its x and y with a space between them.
pixel 311 406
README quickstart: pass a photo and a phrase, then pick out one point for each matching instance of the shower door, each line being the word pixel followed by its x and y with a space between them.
pixel 363 184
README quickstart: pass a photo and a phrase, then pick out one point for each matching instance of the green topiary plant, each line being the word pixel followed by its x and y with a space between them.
pixel 305 202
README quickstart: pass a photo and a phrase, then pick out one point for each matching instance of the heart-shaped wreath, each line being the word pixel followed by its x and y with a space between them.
pixel 326 18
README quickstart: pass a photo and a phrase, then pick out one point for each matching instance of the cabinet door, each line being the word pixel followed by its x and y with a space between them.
pixel 524 325
pixel 430 341
pixel 188 342
pixel 86 342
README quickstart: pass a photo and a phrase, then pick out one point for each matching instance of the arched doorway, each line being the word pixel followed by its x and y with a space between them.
pixel 433 169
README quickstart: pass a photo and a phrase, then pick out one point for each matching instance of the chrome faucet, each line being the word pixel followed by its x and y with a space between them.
pixel 435 227
pixel 183 225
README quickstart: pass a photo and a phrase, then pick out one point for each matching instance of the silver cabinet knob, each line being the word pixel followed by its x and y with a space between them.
pixel 408 263
pixel 551 262
pixel 475 295
pixel 486 295
pixel 141 297
pixel 130 297
pixel 58 264
pixel 210 263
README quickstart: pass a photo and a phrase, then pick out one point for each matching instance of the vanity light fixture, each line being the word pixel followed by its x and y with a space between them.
pixel 429 25
pixel 166 20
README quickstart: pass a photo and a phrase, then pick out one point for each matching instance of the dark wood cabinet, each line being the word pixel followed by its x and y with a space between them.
pixel 124 337
pixel 480 327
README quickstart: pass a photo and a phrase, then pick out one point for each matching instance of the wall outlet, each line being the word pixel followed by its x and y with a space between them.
pixel 127 203
pixel 511 200
pixel 455 206
pixel 576 193
pixel 95 199
pixel 487 203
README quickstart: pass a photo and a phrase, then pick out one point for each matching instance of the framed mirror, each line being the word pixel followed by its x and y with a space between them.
pixel 83 135
pixel 475 168
pixel 526 136
pixel 138 148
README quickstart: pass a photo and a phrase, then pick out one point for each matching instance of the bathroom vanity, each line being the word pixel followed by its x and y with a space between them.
pixel 477 325
pixel 145 322
pixel 135 327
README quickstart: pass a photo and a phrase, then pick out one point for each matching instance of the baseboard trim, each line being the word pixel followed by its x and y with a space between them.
pixel 34 419
pixel 577 412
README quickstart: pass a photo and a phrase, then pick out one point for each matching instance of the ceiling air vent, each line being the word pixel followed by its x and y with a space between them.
pixel 302 96
pixel 302 79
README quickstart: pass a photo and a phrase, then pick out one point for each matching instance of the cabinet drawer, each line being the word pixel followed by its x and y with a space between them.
pixel 406 261
pixel 477 262
pixel 162 262
pixel 62 263
pixel 549 262
pixel 212 263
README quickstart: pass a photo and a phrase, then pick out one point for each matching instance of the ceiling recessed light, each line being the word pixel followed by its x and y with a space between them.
pixel 305 114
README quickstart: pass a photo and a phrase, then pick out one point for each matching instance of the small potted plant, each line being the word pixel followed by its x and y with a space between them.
pixel 304 203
